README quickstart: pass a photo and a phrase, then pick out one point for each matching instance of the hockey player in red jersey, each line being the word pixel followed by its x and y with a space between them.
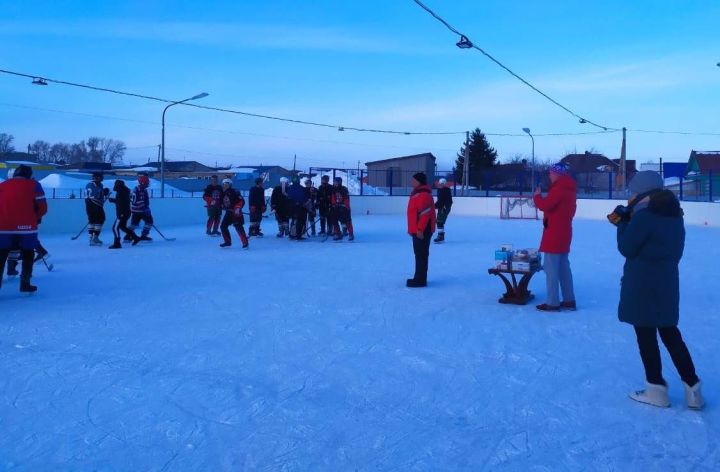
pixel 213 196
pixel 232 203
pixel 340 211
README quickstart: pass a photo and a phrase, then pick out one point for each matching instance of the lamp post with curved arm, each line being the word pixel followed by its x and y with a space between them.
pixel 532 171
pixel 162 158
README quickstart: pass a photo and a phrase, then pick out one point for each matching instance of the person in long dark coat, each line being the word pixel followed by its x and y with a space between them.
pixel 651 237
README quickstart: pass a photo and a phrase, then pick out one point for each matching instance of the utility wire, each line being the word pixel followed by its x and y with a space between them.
pixel 507 69
pixel 237 112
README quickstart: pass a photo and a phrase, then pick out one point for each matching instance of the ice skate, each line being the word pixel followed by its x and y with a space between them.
pixel 654 394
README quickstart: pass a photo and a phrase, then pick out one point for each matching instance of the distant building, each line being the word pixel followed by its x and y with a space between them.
pixel 397 171
pixel 703 169
pixel 591 171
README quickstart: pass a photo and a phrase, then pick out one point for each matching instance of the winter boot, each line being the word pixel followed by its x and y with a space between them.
pixel 116 244
pixel 654 394
pixel 546 307
pixel 440 237
pixel 412 283
pixel 226 244
pixel 569 306
pixel 694 396
pixel 25 285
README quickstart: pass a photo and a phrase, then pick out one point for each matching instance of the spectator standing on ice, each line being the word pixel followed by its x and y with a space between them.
pixel 22 205
pixel 95 195
pixel 558 209
pixel 233 204
pixel 213 196
pixel 257 207
pixel 421 221
pixel 140 208
pixel 651 237
pixel 281 205
pixel 443 205
pixel 121 198
pixel 324 194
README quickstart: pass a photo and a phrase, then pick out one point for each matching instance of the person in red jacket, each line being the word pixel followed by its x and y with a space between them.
pixel 421 226
pixel 22 204
pixel 558 209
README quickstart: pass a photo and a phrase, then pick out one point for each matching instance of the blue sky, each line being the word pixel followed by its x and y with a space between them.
pixel 380 64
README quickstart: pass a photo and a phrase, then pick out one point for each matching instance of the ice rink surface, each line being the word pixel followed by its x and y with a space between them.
pixel 314 356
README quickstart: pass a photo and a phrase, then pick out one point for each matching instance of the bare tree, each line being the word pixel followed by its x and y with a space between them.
pixel 113 150
pixel 59 153
pixel 41 149
pixel 6 143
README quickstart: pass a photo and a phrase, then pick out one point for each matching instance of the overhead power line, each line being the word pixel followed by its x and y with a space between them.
pixel 226 110
pixel 465 42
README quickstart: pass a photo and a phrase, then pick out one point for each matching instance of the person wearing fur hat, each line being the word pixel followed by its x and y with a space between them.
pixel 421 221
pixel 558 209
pixel 651 237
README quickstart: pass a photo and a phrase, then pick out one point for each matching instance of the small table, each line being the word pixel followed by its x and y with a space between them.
pixel 516 293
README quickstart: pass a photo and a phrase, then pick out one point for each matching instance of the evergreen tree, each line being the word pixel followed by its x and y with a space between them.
pixel 482 156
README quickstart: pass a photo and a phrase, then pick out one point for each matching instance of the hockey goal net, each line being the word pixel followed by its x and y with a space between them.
pixel 518 207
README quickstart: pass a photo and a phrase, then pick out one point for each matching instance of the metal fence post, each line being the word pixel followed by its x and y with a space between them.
pixel 610 185
pixel 362 177
pixel 486 183
pixel 681 188
pixel 710 185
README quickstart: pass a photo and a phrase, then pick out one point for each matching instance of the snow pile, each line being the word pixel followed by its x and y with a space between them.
pixel 313 356
pixel 72 185
pixel 350 180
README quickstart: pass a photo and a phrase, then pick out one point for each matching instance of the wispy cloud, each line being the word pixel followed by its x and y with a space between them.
pixel 228 35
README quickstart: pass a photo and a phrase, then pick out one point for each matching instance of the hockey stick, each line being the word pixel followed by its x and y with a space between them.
pixel 162 235
pixel 50 266
pixel 80 233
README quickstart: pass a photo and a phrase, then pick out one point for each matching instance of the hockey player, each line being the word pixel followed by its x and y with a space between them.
pixel 22 204
pixel 232 203
pixel 95 196
pixel 298 196
pixel 140 208
pixel 213 196
pixel 311 205
pixel 257 207
pixel 121 199
pixel 443 205
pixel 280 204
pixel 324 194
pixel 340 211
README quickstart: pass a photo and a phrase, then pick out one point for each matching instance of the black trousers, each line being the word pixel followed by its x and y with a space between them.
pixel 650 354
pixel 323 211
pixel 421 248
pixel 120 224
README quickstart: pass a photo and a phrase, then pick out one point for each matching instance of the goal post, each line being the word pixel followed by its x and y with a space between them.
pixel 520 207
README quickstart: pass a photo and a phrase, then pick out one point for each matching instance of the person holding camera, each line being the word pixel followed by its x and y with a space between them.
pixel 651 237
pixel 558 209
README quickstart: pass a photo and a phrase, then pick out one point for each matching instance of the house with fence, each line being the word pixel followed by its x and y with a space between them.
pixel 396 172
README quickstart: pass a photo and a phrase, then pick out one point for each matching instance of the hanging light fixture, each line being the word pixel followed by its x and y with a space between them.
pixel 341 129
pixel 39 81
pixel 583 121
pixel 464 43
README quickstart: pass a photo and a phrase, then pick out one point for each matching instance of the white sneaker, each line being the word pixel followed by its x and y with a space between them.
pixel 656 395
pixel 694 397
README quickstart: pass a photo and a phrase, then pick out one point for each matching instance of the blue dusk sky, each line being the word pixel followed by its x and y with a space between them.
pixel 644 65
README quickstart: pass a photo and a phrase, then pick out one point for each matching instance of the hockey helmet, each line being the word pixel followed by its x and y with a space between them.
pixel 144 180
pixel 227 181
pixel 283 180
pixel 443 181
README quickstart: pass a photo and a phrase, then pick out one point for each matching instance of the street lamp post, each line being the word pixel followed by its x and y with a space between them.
pixel 162 156
pixel 532 170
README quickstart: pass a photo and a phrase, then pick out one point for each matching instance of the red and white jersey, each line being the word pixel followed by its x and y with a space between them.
pixel 22 204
